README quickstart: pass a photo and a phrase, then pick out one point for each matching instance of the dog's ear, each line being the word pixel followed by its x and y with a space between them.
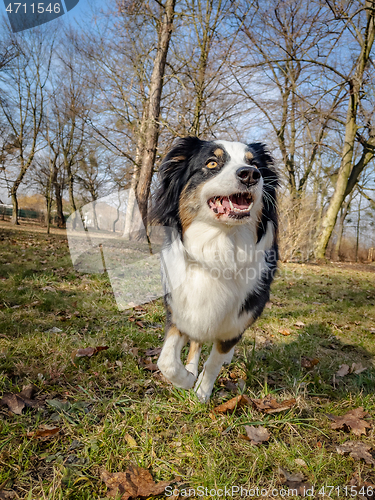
pixel 266 167
pixel 174 173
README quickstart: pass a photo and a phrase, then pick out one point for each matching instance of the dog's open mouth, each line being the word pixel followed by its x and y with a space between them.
pixel 235 205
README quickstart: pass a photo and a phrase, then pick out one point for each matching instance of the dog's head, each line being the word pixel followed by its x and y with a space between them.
pixel 218 182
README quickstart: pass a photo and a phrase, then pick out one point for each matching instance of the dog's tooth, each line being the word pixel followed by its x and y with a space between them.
pixel 251 205
pixel 231 204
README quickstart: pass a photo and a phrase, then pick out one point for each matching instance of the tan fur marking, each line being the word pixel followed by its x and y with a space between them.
pixel 249 155
pixel 218 152
pixel 189 206
pixel 178 158
pixel 173 330
pixel 194 348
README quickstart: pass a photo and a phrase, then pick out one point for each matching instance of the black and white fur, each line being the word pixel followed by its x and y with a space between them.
pixel 219 265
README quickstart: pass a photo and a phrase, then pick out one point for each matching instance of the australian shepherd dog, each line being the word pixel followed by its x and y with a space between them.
pixel 217 200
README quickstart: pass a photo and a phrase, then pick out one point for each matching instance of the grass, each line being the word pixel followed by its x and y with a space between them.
pixel 112 412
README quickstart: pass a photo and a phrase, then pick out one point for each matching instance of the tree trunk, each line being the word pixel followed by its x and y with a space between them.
pixel 59 206
pixel 131 225
pixel 340 230
pixel 14 218
pixel 351 128
pixel 152 128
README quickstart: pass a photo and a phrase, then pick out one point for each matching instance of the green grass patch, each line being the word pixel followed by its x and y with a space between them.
pixel 111 412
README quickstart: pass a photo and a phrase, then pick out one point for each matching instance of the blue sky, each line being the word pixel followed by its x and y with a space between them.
pixel 79 12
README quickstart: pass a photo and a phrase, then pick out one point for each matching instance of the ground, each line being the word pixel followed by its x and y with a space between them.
pixel 113 409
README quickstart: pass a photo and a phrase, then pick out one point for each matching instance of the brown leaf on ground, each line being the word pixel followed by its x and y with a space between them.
pixel 13 402
pixel 299 324
pixel 257 435
pixel 309 362
pixel 135 482
pixel 233 404
pixel 357 450
pixel 17 402
pixel 270 405
pixel 88 352
pixel 295 482
pixel 140 324
pixel 342 371
pixel 134 351
pixel 357 368
pixel 147 364
pixel 352 421
pixel 359 486
pixel 285 331
pixel 44 432
pixel 153 351
pixel 228 384
pixel 130 440
pixel 8 495
pixel 140 309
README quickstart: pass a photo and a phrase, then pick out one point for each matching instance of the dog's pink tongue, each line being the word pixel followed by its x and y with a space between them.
pixel 239 201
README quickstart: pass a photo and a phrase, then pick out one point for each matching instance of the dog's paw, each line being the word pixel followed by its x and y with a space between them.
pixel 203 388
pixel 178 375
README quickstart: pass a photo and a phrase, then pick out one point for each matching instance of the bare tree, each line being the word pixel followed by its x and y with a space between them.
pixel 362 23
pixel 24 102
pixel 153 112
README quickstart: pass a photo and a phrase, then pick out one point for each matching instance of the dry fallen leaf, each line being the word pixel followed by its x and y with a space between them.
pixel 284 331
pixel 17 402
pixel 343 370
pixel 140 309
pixel 8 495
pixel 44 432
pixel 233 404
pixel 228 384
pixel 352 421
pixel 270 405
pixel 153 351
pixel 301 462
pixel 87 352
pixel 295 481
pixel 131 441
pixel 357 450
pixel 299 324
pixel 135 482
pixel 257 435
pixel 134 351
pixel 308 362
pixel 357 368
pixel 358 486
pixel 147 364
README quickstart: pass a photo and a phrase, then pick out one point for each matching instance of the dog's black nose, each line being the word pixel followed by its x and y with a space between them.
pixel 248 175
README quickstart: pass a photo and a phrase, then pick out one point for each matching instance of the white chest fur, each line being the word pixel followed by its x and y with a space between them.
pixel 210 276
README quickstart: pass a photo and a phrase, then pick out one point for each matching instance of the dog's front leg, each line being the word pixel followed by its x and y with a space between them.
pixel 211 369
pixel 169 361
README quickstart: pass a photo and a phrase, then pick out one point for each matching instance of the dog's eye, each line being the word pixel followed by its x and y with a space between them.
pixel 211 164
